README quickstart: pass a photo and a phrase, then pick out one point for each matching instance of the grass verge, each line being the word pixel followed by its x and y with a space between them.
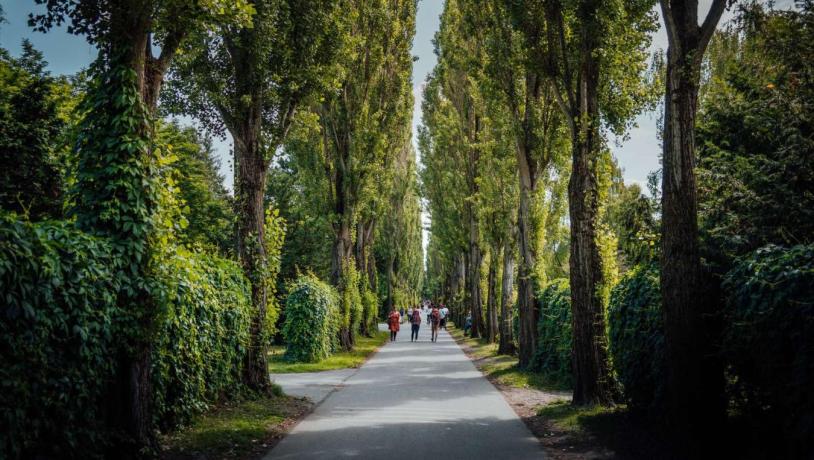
pixel 244 429
pixel 503 369
pixel 365 346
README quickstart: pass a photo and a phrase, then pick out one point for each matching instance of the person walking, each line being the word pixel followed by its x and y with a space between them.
pixel 415 320
pixel 435 320
pixel 444 311
pixel 393 322
pixel 402 314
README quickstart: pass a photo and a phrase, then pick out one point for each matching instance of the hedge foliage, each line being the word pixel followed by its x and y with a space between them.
pixel 61 330
pixel 57 338
pixel 203 338
pixel 370 308
pixel 312 320
pixel 350 303
pixel 553 354
pixel 769 337
pixel 637 338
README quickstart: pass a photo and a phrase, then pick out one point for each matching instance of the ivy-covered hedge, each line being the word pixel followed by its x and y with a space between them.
pixel 61 329
pixel 202 341
pixel 57 339
pixel 637 338
pixel 312 320
pixel 553 354
pixel 769 338
pixel 370 307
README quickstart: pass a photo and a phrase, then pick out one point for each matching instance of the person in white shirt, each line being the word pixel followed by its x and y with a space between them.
pixel 444 311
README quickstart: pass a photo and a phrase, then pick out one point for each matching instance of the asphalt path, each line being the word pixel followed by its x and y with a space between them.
pixel 412 400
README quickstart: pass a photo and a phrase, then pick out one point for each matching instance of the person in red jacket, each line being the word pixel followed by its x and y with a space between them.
pixel 393 321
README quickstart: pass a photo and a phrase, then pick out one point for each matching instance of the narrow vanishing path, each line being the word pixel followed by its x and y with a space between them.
pixel 412 401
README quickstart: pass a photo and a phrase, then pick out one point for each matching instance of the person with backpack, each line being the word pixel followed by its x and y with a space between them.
pixel 393 322
pixel 435 318
pixel 415 320
pixel 444 311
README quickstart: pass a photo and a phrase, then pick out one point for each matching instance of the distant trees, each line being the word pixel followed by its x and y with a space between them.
pixel 32 159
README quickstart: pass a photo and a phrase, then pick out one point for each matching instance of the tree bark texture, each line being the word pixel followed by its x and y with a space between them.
pixel 695 376
pixel 491 298
pixel 528 309
pixel 506 345
pixel 593 382
pixel 250 185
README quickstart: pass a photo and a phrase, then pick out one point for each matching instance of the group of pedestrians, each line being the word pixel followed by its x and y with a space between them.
pixel 436 317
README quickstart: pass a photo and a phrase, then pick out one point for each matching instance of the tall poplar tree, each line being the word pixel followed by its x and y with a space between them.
pixel 116 193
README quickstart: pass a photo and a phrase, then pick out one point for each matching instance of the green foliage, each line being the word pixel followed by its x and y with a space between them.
pixel 205 204
pixel 198 355
pixel 275 230
pixel 60 337
pixel 637 338
pixel 312 320
pixel 57 339
pixel 31 173
pixel 370 310
pixel 553 354
pixel 767 341
pixel 350 302
pixel 754 130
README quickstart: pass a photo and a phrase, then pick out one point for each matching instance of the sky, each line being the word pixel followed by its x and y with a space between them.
pixel 637 155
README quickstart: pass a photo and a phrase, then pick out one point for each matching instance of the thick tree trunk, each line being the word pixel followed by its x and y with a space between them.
pixel 474 300
pixel 695 376
pixel 491 298
pixel 342 255
pixel 527 281
pixel 593 382
pixel 506 345
pixel 132 409
pixel 250 185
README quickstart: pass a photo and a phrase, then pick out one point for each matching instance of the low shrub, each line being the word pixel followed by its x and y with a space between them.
pixel 769 338
pixel 200 346
pixel 553 354
pixel 637 338
pixel 57 339
pixel 312 320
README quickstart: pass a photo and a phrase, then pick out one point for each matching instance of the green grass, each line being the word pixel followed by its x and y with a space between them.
pixel 365 346
pixel 568 417
pixel 238 430
pixel 503 368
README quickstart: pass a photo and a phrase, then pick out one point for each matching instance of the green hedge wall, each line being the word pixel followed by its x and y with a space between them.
pixel 553 354
pixel 637 338
pixel 312 320
pixel 202 341
pixel 57 339
pixel 769 338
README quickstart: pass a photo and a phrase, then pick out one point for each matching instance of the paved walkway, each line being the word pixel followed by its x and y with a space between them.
pixel 411 401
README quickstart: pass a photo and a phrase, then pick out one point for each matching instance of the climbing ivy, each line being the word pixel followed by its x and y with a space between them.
pixel 311 321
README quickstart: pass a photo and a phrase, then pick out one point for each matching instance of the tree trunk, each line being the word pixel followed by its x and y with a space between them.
pixel 343 246
pixel 527 281
pixel 695 376
pixel 593 382
pixel 491 298
pixel 132 410
pixel 250 185
pixel 506 345
pixel 474 300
